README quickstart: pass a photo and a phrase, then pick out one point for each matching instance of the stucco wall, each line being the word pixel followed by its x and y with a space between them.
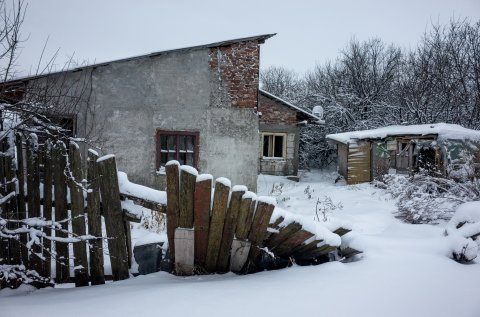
pixel 180 91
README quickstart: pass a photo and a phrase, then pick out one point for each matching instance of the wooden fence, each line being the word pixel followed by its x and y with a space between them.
pixel 46 182
pixel 234 232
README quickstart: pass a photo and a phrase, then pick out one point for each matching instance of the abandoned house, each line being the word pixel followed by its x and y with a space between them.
pixel 280 123
pixel 198 105
pixel 440 149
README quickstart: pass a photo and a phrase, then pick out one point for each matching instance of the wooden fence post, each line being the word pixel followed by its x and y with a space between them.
pixel 33 195
pixel 78 215
pixel 229 228
pixel 245 216
pixel 47 205
pixel 220 202
pixel 112 210
pixel 4 243
pixel 22 210
pixel 11 206
pixel 203 197
pixel 97 275
pixel 62 271
pixel 173 190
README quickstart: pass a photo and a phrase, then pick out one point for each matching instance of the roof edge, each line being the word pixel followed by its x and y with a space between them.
pixel 260 38
pixel 288 104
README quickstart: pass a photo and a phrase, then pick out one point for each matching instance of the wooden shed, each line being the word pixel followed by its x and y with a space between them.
pixel 439 149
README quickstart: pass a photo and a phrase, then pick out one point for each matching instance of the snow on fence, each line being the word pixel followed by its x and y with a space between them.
pixel 51 217
pixel 238 231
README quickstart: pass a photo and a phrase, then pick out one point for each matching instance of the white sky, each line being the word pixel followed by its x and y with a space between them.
pixel 308 32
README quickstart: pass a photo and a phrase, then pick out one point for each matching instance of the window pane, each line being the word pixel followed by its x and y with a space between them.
pixel 189 159
pixel 278 150
pixel 265 145
pixel 172 143
pixel 189 143
pixel 163 142
pixel 181 143
pixel 163 158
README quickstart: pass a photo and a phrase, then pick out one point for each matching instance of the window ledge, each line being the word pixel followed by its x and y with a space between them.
pixel 267 158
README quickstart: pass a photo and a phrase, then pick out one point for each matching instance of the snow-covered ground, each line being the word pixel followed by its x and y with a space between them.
pixel 404 271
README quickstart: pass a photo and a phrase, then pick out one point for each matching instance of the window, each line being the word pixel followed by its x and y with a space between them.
pixel 177 145
pixel 274 145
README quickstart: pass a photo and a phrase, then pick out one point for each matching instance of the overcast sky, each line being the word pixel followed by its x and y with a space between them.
pixel 308 32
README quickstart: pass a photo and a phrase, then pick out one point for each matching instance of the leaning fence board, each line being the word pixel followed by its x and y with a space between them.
pixel 47 205
pixel 286 247
pixel 61 213
pixel 22 210
pixel 173 188
pixel 229 231
pixel 184 248
pixel 203 199
pixel 240 251
pixel 78 216
pixel 220 201
pixel 186 198
pixel 284 233
pixel 259 229
pixel 33 198
pixel 306 248
pixel 112 210
pixel 244 220
pixel 94 221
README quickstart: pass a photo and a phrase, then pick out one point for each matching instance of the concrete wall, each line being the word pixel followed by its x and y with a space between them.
pixel 191 90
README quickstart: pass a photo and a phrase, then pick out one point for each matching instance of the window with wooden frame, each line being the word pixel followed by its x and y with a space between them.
pixel 274 145
pixel 177 145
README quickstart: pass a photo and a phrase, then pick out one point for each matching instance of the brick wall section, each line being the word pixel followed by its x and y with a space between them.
pixel 237 67
pixel 274 112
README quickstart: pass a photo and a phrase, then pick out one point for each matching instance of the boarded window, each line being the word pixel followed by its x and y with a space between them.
pixel 274 145
pixel 177 145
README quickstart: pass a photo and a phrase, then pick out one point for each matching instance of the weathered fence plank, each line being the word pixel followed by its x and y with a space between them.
pixel 184 249
pixel 259 229
pixel 173 191
pixel 47 205
pixel 239 256
pixel 277 238
pixel 112 210
pixel 244 220
pixel 220 202
pixel 187 197
pixel 229 229
pixel 4 243
pixel 61 213
pixel 287 246
pixel 33 196
pixel 11 208
pixel 203 197
pixel 97 276
pixel 78 215
pixel 22 210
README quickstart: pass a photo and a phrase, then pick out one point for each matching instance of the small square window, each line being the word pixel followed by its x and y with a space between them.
pixel 274 145
pixel 177 145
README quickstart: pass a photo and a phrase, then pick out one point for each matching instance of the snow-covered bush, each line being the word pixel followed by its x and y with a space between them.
pixel 428 199
pixel 464 232
pixel 12 276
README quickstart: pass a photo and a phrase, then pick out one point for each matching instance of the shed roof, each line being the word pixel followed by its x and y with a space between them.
pixel 290 105
pixel 444 131
pixel 259 38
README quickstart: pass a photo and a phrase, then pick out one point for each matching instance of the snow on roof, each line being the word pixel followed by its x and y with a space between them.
pixel 288 104
pixel 444 131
